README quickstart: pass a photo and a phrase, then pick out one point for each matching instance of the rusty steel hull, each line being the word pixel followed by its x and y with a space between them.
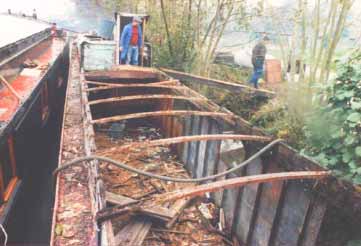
pixel 24 118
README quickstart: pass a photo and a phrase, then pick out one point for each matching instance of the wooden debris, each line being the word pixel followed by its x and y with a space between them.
pixel 30 63
pixel 170 231
pixel 117 199
pixel 134 232
pixel 185 218
pixel 123 202
pixel 178 207
pixel 242 181
pixel 160 113
pixel 109 213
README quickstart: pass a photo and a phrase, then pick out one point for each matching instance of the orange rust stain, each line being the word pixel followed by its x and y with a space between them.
pixel 23 85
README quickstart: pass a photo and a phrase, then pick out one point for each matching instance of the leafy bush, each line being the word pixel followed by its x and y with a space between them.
pixel 281 121
pixel 333 130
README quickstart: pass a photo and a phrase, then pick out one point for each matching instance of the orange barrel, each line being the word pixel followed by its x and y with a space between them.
pixel 273 73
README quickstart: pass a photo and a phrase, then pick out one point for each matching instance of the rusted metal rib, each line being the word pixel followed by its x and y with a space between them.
pixel 137 86
pixel 183 139
pixel 232 87
pixel 143 97
pixel 242 181
pixel 160 113
pixel 11 89
pixel 165 82
pixel 126 72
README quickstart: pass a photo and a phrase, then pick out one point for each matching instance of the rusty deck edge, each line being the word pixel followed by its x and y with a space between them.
pixel 92 240
pixel 96 186
pixel 56 201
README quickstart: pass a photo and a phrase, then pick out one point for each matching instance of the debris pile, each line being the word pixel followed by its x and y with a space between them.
pixel 137 218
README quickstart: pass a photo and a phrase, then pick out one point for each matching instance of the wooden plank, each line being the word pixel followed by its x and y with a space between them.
pixel 212 153
pixel 267 209
pixel 314 222
pixel 292 216
pixel 159 113
pixel 169 120
pixel 178 131
pixel 154 211
pixel 232 154
pixel 134 232
pixel 178 207
pixel 229 204
pixel 218 196
pixel 193 146
pixel 117 199
pixel 202 148
pixel 186 131
pixel 247 202
pixel 232 87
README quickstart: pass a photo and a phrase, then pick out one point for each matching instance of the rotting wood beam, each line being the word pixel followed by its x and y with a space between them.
pixel 133 233
pixel 143 97
pixel 232 87
pixel 175 87
pixel 120 201
pixel 183 139
pixel 241 181
pixel 160 113
pixel 165 82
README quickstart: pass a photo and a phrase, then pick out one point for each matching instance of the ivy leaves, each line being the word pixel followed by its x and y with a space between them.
pixel 334 129
pixel 354 117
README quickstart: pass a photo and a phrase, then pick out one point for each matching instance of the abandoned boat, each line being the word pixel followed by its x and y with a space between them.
pixel 163 135
pixel 32 90
pixel 131 134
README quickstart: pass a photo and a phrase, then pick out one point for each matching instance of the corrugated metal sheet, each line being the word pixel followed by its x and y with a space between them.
pixel 98 55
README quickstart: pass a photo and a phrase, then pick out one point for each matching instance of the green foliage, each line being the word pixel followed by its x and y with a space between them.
pixel 280 121
pixel 230 73
pixel 333 129
pixel 354 243
pixel 243 104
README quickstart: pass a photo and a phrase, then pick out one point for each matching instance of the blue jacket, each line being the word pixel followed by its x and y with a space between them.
pixel 125 39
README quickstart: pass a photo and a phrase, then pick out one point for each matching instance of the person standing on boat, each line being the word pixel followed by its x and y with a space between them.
pixel 131 42
pixel 258 57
